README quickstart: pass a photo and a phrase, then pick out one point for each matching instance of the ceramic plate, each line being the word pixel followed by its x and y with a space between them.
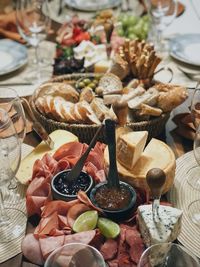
pixel 92 5
pixel 13 56
pixel 186 48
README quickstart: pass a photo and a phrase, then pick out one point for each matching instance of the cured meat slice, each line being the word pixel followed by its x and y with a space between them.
pixel 71 149
pixel 75 211
pixel 31 249
pixel 113 263
pixel 123 253
pixel 100 176
pixel 33 204
pixel 63 164
pixel 82 196
pixel 109 249
pixel 135 242
pixel 51 243
pixel 50 162
pixel 40 169
pixel 82 237
pixel 61 207
pixel 46 225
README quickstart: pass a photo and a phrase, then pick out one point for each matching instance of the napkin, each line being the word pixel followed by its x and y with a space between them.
pixel 8 28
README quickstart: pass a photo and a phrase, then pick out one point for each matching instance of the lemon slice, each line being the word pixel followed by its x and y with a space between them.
pixel 108 228
pixel 86 221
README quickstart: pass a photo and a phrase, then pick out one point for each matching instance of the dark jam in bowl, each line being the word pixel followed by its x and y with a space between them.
pixel 71 188
pixel 112 198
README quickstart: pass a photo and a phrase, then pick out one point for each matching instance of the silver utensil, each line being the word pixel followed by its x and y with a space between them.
pixel 16 83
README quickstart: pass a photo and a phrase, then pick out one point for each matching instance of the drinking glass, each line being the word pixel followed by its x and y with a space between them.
pixel 168 255
pixel 193 175
pixel 162 14
pixel 75 255
pixel 33 25
pixel 194 211
pixel 11 103
pixel 12 220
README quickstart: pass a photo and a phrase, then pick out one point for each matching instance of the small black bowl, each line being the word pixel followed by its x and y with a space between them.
pixel 116 214
pixel 61 191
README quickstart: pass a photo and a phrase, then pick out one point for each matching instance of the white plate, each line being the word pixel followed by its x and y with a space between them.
pixel 13 56
pixel 186 48
pixel 92 5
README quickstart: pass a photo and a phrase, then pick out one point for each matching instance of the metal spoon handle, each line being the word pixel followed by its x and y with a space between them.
pixel 113 180
pixel 75 172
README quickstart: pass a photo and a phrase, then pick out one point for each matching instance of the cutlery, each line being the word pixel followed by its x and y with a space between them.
pixel 156 179
pixel 76 170
pixel 37 126
pixel 113 178
pixel 16 83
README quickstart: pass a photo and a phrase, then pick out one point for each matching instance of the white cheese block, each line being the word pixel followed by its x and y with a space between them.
pixel 130 147
pixel 164 227
pixel 60 137
pixel 102 66
pixel 157 154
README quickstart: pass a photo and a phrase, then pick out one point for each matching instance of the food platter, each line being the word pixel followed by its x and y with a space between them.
pixel 92 5
pixel 185 48
pixel 181 195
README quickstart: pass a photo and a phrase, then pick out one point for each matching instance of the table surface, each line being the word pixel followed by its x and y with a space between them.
pixel 177 143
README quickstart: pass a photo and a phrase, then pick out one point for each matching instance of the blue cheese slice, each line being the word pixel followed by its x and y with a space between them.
pixel 165 227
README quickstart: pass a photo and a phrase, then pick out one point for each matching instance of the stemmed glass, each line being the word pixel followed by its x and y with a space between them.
pixel 193 178
pixel 33 25
pixel 11 103
pixel 12 220
pixel 168 255
pixel 162 14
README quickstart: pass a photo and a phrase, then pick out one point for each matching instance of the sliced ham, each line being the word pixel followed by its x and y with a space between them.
pixel 50 162
pixel 109 249
pixel 51 243
pixel 40 169
pixel 70 149
pixel 82 237
pixel 75 211
pixel 82 196
pixel 34 204
pixel 61 207
pixel 46 225
pixel 31 249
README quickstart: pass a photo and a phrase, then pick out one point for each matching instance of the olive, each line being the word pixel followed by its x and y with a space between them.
pixel 95 81
pixel 86 81
pixel 92 85
pixel 81 85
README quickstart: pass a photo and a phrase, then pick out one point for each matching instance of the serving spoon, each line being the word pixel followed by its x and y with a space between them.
pixel 76 170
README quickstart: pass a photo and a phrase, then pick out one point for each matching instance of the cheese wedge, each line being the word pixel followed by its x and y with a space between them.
pixel 59 137
pixel 130 147
pixel 163 228
pixel 157 154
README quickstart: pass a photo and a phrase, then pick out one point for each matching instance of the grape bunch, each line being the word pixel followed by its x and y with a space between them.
pixel 134 27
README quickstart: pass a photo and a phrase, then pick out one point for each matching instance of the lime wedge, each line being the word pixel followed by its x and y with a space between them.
pixel 86 221
pixel 108 228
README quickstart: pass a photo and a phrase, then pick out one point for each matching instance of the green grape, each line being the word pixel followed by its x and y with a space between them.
pixel 132 20
pixel 132 36
pixel 121 32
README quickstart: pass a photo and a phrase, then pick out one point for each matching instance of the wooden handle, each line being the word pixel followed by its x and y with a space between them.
pixel 156 179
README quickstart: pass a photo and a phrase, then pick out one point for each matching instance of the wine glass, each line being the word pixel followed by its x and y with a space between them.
pixel 12 220
pixel 33 25
pixel 75 255
pixel 162 14
pixel 193 174
pixel 11 103
pixel 168 255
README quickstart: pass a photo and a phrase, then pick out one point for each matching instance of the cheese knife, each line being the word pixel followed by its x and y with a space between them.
pixel 156 179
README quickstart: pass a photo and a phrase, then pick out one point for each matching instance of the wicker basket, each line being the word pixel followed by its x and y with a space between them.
pixel 85 132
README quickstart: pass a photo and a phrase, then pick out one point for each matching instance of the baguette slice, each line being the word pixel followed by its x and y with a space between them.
pixel 48 106
pixel 66 108
pixel 57 108
pixel 87 113
pixel 109 83
pixel 87 94
pixel 39 103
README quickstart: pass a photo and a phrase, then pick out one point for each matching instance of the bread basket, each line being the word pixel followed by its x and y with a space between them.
pixel 85 132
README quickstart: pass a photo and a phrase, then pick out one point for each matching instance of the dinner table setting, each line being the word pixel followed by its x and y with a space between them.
pixel 99 133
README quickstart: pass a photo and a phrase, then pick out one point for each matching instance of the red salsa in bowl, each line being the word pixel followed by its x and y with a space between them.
pixel 117 204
